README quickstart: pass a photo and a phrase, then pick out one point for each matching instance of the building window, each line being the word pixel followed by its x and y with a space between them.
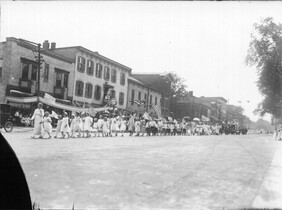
pixel 34 72
pixel 59 78
pixel 81 64
pixel 25 70
pixel 29 69
pixel 79 88
pixel 145 96
pixel 88 90
pixel 139 96
pixel 122 78
pixel 99 69
pixel 151 99
pixel 97 93
pixel 90 67
pixel 106 73
pixel 156 100
pixel 66 80
pixel 121 99
pixel 114 76
pixel 132 96
pixel 0 73
pixel 46 73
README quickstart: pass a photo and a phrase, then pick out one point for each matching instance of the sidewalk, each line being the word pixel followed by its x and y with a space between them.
pixel 270 193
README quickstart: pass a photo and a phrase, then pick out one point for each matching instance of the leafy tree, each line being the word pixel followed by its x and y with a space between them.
pixel 265 52
pixel 178 86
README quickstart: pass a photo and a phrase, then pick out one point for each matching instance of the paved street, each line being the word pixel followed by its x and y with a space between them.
pixel 199 172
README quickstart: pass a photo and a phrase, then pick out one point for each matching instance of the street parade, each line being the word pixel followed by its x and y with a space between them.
pixel 110 124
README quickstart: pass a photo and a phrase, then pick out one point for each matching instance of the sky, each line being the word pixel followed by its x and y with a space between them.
pixel 203 42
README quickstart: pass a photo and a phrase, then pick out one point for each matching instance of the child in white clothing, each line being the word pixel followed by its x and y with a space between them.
pixel 47 127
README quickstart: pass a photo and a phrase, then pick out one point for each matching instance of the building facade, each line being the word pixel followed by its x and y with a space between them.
pixel 19 73
pixel 218 107
pixel 192 107
pixel 96 78
pixel 142 98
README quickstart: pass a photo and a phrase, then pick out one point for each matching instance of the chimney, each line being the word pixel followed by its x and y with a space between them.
pixel 46 45
pixel 53 45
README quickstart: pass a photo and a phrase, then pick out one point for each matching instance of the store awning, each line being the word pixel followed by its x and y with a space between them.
pixel 16 93
pixel 21 99
pixel 55 104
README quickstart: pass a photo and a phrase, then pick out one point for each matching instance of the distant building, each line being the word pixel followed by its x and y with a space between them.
pixel 142 98
pixel 96 77
pixel 19 69
pixel 162 84
pixel 218 107
pixel 192 107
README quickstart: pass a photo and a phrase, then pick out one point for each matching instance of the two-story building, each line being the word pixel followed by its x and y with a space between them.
pixel 96 78
pixel 142 98
pixel 19 74
pixel 218 104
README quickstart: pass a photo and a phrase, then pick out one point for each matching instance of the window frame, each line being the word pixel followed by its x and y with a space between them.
pixel 81 65
pixel 88 91
pixel 46 72
pixel 91 66
pixel 99 70
pixel 113 75
pixel 121 98
pixel 76 88
pixel 100 92
pixel 107 72
pixel 122 78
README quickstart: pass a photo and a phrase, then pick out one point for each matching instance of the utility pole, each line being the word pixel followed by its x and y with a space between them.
pixel 39 61
pixel 147 103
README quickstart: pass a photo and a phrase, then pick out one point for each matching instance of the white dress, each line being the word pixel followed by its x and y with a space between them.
pixel 65 125
pixel 47 124
pixel 87 123
pixel 38 118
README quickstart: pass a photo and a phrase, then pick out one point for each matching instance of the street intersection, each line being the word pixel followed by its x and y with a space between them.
pixel 172 172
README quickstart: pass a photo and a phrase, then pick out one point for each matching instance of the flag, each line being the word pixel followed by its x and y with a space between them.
pixel 54 114
pixel 137 102
pixel 146 116
pixel 157 110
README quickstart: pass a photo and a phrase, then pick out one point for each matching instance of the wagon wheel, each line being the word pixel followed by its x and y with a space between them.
pixel 8 126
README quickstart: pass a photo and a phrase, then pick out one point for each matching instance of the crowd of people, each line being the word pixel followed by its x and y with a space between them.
pixel 83 125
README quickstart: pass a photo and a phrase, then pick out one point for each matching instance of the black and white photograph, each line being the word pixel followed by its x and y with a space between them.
pixel 140 105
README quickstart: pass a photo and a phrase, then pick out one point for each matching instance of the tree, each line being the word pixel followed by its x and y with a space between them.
pixel 178 89
pixel 178 86
pixel 265 52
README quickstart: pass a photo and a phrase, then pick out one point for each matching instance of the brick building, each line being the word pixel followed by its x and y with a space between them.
pixel 96 77
pixel 191 106
pixel 19 69
pixel 142 98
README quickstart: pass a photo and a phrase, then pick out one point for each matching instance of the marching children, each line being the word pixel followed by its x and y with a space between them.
pixel 47 127
pixel 65 128
pixel 59 125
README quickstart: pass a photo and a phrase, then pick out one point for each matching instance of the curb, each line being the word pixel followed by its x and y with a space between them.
pixel 270 192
